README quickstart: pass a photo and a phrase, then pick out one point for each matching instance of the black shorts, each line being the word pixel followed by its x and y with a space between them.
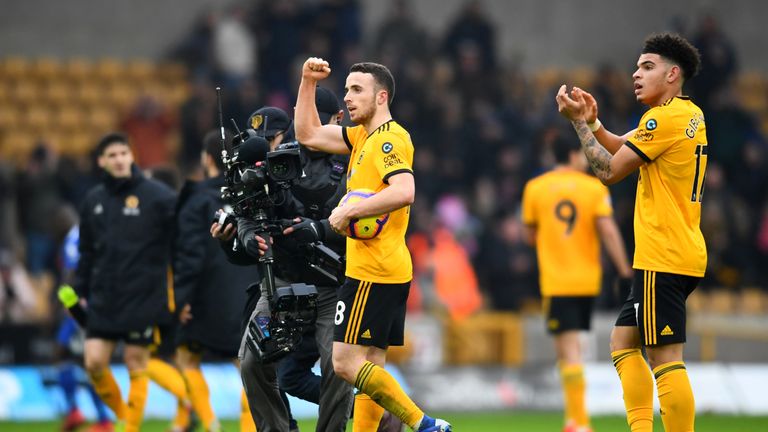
pixel 146 337
pixel 371 314
pixel 165 342
pixel 200 348
pixel 568 313
pixel 656 306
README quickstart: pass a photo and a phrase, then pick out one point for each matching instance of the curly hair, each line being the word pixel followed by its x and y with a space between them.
pixel 676 48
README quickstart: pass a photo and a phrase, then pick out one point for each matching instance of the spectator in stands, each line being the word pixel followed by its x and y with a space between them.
pixel 149 126
pixel 718 61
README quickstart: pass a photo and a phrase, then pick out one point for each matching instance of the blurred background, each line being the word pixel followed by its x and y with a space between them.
pixel 475 87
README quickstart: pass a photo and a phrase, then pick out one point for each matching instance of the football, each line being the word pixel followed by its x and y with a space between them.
pixel 364 228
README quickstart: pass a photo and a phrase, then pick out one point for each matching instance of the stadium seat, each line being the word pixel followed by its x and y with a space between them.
pixel 78 70
pixel 721 301
pixel 58 92
pixel 109 70
pixel 14 68
pixel 26 92
pixel 752 301
pixel 102 119
pixel 47 69
pixel 140 71
pixel 89 93
pixel 9 117
pixel 16 145
pixel 121 95
pixel 171 72
pixel 495 338
pixel 37 118
pixel 69 118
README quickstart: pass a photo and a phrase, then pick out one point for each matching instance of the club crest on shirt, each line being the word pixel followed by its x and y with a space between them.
pixel 256 121
pixel 131 206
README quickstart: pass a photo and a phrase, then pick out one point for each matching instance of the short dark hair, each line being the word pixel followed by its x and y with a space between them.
pixel 381 76
pixel 212 146
pixel 676 48
pixel 563 146
pixel 109 139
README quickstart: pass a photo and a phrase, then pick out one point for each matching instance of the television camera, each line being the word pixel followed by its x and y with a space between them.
pixel 256 182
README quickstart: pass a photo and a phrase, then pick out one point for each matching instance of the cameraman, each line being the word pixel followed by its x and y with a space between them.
pixel 312 198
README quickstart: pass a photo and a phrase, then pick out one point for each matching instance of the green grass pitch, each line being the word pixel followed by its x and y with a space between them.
pixel 479 422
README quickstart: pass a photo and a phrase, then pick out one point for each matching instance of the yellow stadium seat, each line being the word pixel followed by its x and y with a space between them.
pixel 102 119
pixel 37 118
pixel 582 77
pixel 59 92
pixel 722 301
pixel 77 144
pixel 69 119
pixel 78 70
pixel 109 70
pixel 89 93
pixel 14 68
pixel 171 72
pixel 47 69
pixel 495 338
pixel 122 96
pixel 177 94
pixel 17 145
pixel 26 92
pixel 546 79
pixel 140 71
pixel 752 301
pixel 9 117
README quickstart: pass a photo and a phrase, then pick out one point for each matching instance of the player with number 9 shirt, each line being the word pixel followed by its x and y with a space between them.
pixel 566 212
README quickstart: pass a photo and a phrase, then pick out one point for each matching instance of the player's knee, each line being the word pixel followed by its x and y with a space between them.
pixel 95 367
pixel 624 338
pixel 343 369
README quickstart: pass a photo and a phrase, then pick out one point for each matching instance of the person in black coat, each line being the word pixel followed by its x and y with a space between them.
pixel 210 292
pixel 125 241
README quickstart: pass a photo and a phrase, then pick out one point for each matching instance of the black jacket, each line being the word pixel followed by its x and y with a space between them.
pixel 125 242
pixel 214 288
pixel 314 196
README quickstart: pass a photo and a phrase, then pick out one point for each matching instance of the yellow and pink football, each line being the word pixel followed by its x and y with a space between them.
pixel 364 228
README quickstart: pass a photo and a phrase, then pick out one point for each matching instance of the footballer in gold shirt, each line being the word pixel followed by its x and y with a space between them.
pixel 669 147
pixel 370 313
pixel 375 158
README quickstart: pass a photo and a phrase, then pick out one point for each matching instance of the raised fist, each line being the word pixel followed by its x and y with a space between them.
pixel 315 69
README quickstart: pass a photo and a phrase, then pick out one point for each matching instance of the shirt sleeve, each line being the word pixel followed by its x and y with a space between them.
pixel 529 210
pixel 655 134
pixel 392 155
pixel 604 204
pixel 353 135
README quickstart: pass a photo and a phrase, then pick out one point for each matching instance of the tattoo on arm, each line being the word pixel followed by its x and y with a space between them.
pixel 599 158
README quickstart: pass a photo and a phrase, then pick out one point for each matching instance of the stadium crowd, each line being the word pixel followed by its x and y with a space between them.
pixel 481 127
